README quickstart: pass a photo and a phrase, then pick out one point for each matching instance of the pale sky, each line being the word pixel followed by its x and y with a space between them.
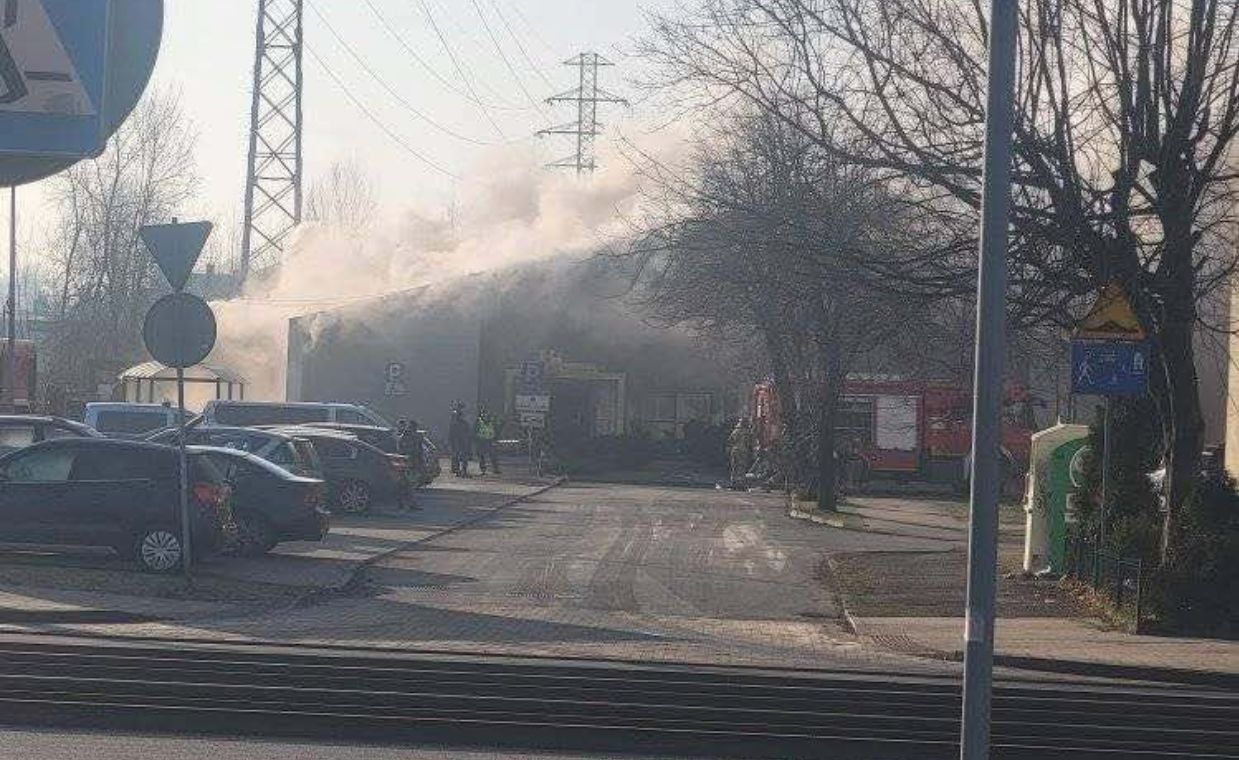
pixel 208 55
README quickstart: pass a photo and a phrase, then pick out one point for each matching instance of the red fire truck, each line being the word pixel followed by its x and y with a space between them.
pixel 908 429
pixel 18 396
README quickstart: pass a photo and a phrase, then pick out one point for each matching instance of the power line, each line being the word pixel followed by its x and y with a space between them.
pixel 396 138
pixel 460 71
pixel 417 57
pixel 504 56
pixel 386 86
pixel 520 45
pixel 520 15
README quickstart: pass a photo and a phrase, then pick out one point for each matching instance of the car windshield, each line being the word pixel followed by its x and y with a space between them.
pixel 758 379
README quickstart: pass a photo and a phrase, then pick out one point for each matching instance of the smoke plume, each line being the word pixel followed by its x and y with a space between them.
pixel 512 210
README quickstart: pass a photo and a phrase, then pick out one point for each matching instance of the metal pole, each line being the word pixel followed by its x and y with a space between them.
pixel 10 390
pixel 986 484
pixel 180 424
pixel 1105 492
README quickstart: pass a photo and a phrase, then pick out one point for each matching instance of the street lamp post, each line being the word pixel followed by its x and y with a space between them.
pixel 986 483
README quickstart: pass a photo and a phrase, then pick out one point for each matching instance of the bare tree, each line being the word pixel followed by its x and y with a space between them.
pixel 104 277
pixel 1126 114
pixel 765 242
pixel 345 197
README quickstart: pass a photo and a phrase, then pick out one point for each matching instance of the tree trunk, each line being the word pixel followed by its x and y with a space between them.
pixel 827 462
pixel 1184 429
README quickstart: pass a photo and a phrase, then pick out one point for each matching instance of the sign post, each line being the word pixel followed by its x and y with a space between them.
pixel 1109 357
pixel 180 332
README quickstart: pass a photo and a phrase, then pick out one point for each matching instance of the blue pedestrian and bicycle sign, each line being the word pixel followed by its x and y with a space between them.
pixel 53 77
pixel 1109 368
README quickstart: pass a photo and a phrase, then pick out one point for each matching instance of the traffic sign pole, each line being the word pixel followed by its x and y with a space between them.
pixel 186 540
pixel 10 389
pixel 1105 491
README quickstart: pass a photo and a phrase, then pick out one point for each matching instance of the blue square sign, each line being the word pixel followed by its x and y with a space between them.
pixel 1109 368
pixel 53 60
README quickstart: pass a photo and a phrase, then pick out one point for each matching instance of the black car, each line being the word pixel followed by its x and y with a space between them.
pixel 119 494
pixel 17 431
pixel 422 473
pixel 294 454
pixel 358 475
pixel 378 437
pixel 269 503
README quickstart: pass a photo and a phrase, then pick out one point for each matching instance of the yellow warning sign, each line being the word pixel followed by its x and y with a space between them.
pixel 1111 318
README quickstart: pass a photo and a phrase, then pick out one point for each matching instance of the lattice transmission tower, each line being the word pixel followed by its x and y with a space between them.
pixel 273 182
pixel 587 95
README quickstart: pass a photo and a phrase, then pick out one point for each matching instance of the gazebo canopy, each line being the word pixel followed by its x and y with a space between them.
pixel 152 382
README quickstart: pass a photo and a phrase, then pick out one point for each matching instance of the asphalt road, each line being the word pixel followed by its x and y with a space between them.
pixel 517 705
pixel 73 745
pixel 627 572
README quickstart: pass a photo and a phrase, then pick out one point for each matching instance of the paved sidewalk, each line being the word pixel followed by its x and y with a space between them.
pixel 1058 644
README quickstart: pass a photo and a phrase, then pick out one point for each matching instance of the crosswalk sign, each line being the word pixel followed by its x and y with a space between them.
pixel 53 60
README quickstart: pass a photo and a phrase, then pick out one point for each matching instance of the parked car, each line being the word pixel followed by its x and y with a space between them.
pixel 358 475
pixel 118 419
pixel 292 453
pixel 119 494
pixel 269 503
pixel 253 413
pixel 17 431
pixel 383 438
pixel 423 473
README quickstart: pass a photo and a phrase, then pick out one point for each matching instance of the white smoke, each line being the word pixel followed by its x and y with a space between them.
pixel 511 210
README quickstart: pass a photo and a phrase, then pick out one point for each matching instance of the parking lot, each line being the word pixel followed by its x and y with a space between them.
pixel 60 585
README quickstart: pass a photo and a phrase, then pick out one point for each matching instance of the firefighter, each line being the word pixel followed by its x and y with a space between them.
pixel 458 438
pixel 740 452
pixel 485 431
pixel 409 444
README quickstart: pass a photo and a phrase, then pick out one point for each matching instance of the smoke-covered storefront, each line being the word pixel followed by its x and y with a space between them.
pixel 413 354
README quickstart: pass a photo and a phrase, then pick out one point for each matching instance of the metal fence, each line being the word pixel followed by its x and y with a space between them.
pixel 1118 579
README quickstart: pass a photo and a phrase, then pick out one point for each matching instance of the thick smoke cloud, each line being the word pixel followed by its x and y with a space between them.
pixel 511 211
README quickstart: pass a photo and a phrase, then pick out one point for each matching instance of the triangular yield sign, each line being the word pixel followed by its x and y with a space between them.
pixel 38 74
pixel 1112 317
pixel 176 248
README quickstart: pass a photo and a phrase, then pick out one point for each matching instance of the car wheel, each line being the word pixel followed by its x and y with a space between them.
pixel 254 536
pixel 354 497
pixel 159 550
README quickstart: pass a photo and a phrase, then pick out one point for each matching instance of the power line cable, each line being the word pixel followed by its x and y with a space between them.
pixel 504 57
pixel 395 137
pixel 520 45
pixel 460 70
pixel 385 22
pixel 386 86
pixel 520 15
